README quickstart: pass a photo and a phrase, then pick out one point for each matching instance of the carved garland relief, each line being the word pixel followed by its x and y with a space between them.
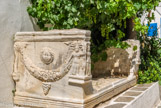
pixel 77 61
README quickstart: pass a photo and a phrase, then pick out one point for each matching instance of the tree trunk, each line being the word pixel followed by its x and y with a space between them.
pixel 129 30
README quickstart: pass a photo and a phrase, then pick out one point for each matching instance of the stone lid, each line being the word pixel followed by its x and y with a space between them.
pixel 53 35
pixel 56 32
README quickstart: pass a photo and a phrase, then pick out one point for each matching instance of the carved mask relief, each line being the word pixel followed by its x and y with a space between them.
pixel 47 56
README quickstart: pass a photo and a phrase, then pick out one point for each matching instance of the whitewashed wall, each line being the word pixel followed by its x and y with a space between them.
pixel 157 20
pixel 13 18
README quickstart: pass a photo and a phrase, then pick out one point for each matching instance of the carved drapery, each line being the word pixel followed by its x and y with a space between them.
pixel 80 54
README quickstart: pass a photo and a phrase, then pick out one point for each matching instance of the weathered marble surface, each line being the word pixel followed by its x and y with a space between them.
pixel 53 64
pixel 120 62
pixel 134 56
pixel 117 63
pixel 52 69
pixel 13 18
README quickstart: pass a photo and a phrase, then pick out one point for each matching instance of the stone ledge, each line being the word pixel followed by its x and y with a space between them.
pixel 89 102
pixel 56 32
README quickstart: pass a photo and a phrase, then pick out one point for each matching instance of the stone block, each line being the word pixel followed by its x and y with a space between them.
pixel 52 69
pixel 53 66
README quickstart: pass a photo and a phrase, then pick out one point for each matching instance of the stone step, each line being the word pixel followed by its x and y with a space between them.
pixel 159 105
pixel 139 96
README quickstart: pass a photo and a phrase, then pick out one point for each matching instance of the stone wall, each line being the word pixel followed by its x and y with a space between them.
pixel 13 18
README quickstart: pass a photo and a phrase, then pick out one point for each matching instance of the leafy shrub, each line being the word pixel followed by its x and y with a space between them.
pixel 107 19
pixel 150 68
pixel 152 74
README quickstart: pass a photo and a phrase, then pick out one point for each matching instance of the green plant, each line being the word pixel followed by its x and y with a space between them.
pixel 152 74
pixel 150 68
pixel 110 15
pixel 105 18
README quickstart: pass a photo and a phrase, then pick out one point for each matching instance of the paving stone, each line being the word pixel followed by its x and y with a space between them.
pixel 124 99
pixel 116 106
pixel 132 93
pixel 144 85
pixel 138 89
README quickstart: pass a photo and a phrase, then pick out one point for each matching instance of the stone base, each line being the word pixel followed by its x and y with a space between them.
pixel 89 102
pixel 140 96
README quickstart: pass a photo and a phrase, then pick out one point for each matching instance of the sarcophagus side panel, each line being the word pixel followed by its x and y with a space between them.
pixel 47 62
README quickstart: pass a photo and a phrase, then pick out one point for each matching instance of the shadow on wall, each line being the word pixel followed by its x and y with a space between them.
pixel 117 64
pixel 120 62
pixel 28 23
pixel 14 18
